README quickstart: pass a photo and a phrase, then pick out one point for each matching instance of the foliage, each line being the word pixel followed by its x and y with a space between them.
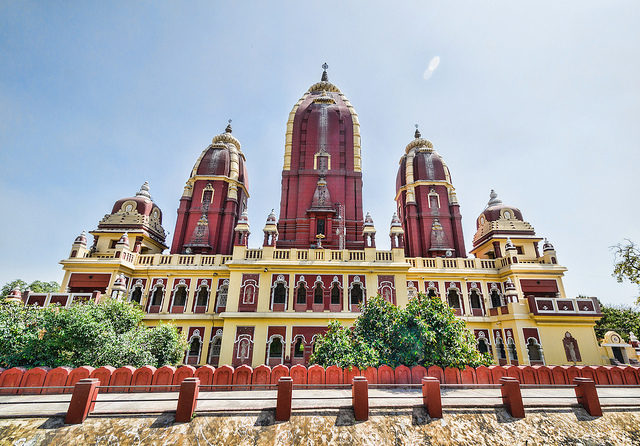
pixel 426 332
pixel 627 266
pixel 619 319
pixel 107 333
pixel 36 286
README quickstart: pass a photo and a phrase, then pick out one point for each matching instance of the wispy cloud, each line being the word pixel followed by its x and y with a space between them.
pixel 433 64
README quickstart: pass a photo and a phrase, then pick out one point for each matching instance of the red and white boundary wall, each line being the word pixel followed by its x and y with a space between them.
pixel 42 380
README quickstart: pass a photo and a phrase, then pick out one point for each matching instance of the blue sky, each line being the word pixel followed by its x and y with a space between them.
pixel 538 101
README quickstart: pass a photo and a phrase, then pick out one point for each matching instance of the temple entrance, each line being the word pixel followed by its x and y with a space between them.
pixel 617 353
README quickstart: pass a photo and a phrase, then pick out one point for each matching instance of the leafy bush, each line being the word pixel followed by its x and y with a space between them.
pixel 107 333
pixel 620 319
pixel 426 332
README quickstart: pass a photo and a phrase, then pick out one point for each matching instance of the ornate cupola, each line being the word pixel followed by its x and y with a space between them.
pixel 270 230
pixel 321 199
pixel 396 232
pixel 502 232
pixel 369 232
pixel 427 204
pixel 242 231
pixel 214 197
pixel 138 219
pixel 79 247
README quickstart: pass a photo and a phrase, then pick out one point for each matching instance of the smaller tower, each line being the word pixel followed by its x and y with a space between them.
pixel 270 230
pixel 79 246
pixel 369 232
pixel 242 231
pixel 549 253
pixel 396 233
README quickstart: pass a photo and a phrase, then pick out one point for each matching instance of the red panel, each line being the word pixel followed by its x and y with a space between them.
pixel 347 375
pixel 56 378
pixel 299 374
pixel 371 373
pixel 483 375
pixel 242 377
pixel 142 376
pixel 163 376
pixel 222 376
pixel 436 372
pixel 121 377
pixel 538 286
pixel 11 378
pixel 451 375
pixel 76 375
pixel 417 373
pixel 89 282
pixel 316 374
pixel 468 376
pixel 33 378
pixel 277 372
pixel 249 289
pixel 103 374
pixel 261 376
pixel 243 346
pixel 205 375
pixel 182 373
pixel 402 375
pixel 385 375
pixel 333 375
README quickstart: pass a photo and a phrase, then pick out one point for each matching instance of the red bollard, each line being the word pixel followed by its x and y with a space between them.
pixel 511 396
pixel 283 403
pixel 360 398
pixel 187 400
pixel 82 400
pixel 587 396
pixel 431 396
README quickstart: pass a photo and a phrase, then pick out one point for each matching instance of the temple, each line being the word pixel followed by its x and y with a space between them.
pixel 319 262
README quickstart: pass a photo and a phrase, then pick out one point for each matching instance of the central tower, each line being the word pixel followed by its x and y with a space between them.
pixel 321 200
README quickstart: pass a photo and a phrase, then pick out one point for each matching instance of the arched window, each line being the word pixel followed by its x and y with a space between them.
pixel 214 351
pixel 513 351
pixel 483 345
pixel 279 293
pixel 275 348
pixel 356 294
pixel 475 299
pixel 431 292
pixel 320 226
pixel 136 296
pixel 335 294
pixel 194 349
pixel 502 353
pixel 222 295
pixel 301 294
pixel 203 296
pixel 496 300
pixel 453 299
pixel 157 295
pixel 180 296
pixel 298 349
pixel 318 294
pixel 534 350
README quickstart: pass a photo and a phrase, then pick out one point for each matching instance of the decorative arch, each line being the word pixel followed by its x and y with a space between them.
pixel 571 349
pixel 202 294
pixel 195 348
pixel 179 295
pixel 275 349
pixel 534 351
pixel 215 345
pixel 279 291
pixel 222 293
pixel 336 291
pixel 137 291
pixel 157 294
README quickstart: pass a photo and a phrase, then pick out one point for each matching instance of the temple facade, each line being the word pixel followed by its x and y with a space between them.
pixel 238 304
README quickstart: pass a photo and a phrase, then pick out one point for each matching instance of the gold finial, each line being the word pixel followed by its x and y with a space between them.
pixel 417 133
pixel 228 129
pixel 325 76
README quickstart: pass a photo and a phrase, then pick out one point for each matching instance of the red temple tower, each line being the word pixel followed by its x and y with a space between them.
pixel 427 204
pixel 214 198
pixel 321 199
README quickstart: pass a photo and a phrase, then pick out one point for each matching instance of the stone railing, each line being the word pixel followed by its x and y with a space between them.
pixel 63 299
pixel 451 263
pixel 181 260
pixel 555 306
pixel 62 379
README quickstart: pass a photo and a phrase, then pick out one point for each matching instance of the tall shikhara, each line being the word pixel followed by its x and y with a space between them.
pixel 321 199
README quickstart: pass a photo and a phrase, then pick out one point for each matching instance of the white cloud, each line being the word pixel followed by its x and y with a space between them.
pixel 433 64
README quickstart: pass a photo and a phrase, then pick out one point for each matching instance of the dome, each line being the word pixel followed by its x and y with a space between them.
pixel 134 213
pixel 427 164
pixel 496 210
pixel 141 203
pixel 216 159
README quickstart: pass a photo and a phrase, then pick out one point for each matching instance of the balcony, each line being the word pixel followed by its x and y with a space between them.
pixel 552 306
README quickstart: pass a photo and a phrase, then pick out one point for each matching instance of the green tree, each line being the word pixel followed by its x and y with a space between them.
pixel 426 332
pixel 619 319
pixel 36 286
pixel 107 333
pixel 627 266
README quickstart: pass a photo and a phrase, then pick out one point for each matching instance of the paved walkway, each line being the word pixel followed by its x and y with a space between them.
pixel 240 401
